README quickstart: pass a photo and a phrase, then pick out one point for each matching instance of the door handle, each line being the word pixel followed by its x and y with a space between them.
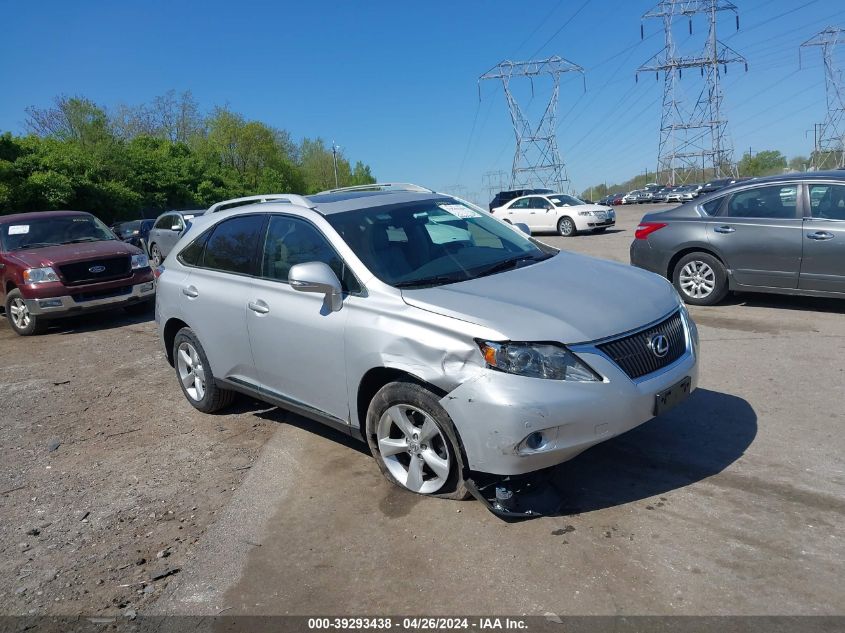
pixel 259 306
pixel 190 292
pixel 820 235
pixel 725 229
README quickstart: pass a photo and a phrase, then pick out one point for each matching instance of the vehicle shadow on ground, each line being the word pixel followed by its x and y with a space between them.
pixel 697 440
pixel 786 302
pixel 280 416
pixel 105 320
pixel 581 233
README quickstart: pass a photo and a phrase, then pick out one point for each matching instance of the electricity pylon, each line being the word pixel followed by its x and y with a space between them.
pixel 493 182
pixel 829 149
pixel 536 161
pixel 692 138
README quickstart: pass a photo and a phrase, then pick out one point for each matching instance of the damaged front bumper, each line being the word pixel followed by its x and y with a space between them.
pixel 512 425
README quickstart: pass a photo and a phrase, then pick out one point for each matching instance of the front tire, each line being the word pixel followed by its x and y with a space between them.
pixel 566 227
pixel 194 373
pixel 700 279
pixel 414 441
pixel 22 321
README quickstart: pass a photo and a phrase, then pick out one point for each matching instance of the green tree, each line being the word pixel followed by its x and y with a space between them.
pixel 765 163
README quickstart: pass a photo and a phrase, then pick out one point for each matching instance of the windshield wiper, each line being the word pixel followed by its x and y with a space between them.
pixel 507 264
pixel 79 240
pixel 35 245
pixel 436 280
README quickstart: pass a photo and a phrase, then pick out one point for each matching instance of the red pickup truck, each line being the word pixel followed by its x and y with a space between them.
pixel 62 263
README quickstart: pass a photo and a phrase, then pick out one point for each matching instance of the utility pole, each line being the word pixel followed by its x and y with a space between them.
pixel 334 156
pixel 690 132
pixel 829 146
pixel 537 160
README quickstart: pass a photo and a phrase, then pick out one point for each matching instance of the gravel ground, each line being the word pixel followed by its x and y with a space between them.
pixel 108 477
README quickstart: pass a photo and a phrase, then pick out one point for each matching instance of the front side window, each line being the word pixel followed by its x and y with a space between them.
pixel 773 202
pixel 447 241
pixel 827 202
pixel 164 222
pixel 51 231
pixel 291 241
pixel 539 203
pixel 231 245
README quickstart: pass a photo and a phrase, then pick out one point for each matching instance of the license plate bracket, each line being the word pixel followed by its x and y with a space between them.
pixel 674 395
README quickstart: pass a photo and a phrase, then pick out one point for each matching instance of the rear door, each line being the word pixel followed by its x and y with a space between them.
pixel 217 292
pixel 170 233
pixel 759 235
pixel 823 263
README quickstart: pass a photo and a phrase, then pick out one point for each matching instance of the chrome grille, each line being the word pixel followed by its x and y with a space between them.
pixel 634 355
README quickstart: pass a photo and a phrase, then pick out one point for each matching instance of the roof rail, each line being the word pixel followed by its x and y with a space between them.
pixel 290 198
pixel 383 186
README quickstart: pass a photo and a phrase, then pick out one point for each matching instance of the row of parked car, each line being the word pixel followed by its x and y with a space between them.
pixel 655 193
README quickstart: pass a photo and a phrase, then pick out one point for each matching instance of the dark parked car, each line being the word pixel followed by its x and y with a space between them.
pixel 609 198
pixel 134 232
pixel 166 231
pixel 782 234
pixel 719 183
pixel 503 197
pixel 618 198
pixel 61 263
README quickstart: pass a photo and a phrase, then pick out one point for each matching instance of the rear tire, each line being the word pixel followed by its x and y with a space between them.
pixel 22 321
pixel 414 441
pixel 700 279
pixel 194 374
pixel 566 227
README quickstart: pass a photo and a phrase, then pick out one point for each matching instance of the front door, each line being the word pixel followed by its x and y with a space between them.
pixel 759 236
pixel 297 340
pixel 519 211
pixel 823 264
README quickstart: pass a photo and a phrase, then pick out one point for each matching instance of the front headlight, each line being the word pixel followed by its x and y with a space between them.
pixel 140 261
pixel 39 275
pixel 585 213
pixel 536 360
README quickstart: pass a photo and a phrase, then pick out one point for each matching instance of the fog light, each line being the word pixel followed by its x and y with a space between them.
pixel 147 286
pixel 50 303
pixel 535 441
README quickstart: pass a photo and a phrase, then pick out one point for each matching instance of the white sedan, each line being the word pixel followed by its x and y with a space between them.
pixel 556 212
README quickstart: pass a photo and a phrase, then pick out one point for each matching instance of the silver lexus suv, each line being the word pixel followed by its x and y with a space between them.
pixel 445 338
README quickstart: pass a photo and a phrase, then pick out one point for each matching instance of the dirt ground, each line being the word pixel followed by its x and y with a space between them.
pixel 108 477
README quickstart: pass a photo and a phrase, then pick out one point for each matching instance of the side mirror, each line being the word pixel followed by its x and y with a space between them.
pixel 317 277
pixel 176 227
pixel 522 226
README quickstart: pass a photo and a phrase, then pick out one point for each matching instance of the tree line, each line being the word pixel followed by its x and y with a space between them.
pixel 137 161
pixel 763 163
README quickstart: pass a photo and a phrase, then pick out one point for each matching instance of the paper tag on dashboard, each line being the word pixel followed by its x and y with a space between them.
pixel 18 229
pixel 459 210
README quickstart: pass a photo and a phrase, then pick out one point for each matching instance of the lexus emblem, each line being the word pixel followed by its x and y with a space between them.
pixel 659 345
pixel 96 269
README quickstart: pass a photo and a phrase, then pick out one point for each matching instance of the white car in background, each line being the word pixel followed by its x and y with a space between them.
pixel 556 212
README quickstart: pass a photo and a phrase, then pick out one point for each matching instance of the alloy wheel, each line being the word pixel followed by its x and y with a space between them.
pixel 155 255
pixel 697 279
pixel 20 313
pixel 413 448
pixel 191 371
pixel 566 226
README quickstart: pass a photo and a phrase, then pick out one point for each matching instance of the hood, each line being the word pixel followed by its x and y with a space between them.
pixel 68 253
pixel 588 207
pixel 567 298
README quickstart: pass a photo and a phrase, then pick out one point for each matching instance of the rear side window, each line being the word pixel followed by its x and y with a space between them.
pixel 231 246
pixel 192 254
pixel 774 202
pixel 827 202
pixel 711 207
pixel 291 241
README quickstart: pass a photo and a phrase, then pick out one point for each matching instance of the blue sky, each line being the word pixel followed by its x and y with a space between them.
pixel 395 83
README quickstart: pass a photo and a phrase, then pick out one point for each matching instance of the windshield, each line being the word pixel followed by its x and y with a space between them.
pixel 565 201
pixel 434 242
pixel 52 231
